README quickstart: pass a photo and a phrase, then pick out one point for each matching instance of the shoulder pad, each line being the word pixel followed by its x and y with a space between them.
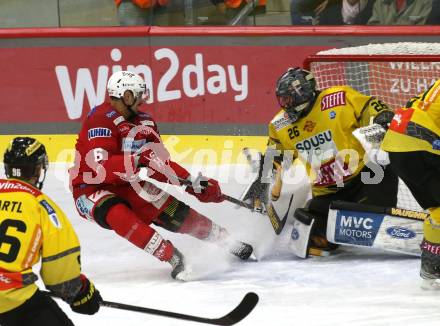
pixel 51 212
pixel 118 120
pixel 111 114
pixel 281 120
pixel 92 111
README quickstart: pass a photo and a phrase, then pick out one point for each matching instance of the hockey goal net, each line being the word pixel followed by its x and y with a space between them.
pixel 392 72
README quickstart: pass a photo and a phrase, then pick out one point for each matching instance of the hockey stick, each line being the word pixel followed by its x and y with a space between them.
pixel 277 223
pixel 189 183
pixel 236 201
pixel 274 218
pixel 243 309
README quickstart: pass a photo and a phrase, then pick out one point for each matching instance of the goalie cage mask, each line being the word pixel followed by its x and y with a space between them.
pixel 296 91
pixel 25 158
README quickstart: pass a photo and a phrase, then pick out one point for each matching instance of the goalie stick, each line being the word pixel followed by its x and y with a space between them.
pixel 274 217
pixel 240 312
pixel 233 200
pixel 276 222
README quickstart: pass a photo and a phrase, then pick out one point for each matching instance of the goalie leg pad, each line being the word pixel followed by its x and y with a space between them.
pixel 363 225
pixel 430 262
pixel 301 232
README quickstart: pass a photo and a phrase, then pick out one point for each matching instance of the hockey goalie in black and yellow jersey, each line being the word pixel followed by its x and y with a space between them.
pixel 315 127
pixel 34 228
pixel 413 144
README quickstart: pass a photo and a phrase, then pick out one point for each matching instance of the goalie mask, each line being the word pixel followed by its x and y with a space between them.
pixel 24 159
pixel 296 91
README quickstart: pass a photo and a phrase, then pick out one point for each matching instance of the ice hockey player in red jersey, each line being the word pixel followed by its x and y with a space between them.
pixel 115 142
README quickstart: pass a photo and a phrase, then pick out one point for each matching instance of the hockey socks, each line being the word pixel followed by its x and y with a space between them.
pixel 128 225
pixel 196 225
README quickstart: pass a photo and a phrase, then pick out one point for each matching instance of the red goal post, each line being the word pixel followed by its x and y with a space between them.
pixel 392 72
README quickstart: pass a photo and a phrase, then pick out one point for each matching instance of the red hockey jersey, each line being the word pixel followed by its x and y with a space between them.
pixel 107 144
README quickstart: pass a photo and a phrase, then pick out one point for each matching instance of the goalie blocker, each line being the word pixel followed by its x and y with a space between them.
pixel 354 224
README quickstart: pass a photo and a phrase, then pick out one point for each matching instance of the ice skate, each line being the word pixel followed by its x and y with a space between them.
pixel 242 250
pixel 430 266
pixel 220 236
pixel 181 271
pixel 320 247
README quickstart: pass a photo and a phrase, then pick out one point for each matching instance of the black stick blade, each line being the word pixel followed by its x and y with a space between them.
pixel 243 309
pixel 240 312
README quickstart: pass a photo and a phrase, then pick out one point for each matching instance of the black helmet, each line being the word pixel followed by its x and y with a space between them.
pixel 24 159
pixel 296 90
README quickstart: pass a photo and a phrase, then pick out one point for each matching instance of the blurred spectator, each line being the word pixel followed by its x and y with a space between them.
pixel 330 12
pixel 400 12
pixel 434 16
pixel 139 12
pixel 301 16
pixel 314 12
pixel 356 12
pixel 232 8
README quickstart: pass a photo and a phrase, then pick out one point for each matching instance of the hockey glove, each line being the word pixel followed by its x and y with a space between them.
pixel 88 299
pixel 206 190
pixel 153 156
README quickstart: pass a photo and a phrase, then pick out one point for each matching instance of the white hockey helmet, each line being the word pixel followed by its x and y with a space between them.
pixel 122 81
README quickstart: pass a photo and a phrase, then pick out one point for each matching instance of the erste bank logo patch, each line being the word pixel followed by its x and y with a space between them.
pixel 51 213
pixel 281 122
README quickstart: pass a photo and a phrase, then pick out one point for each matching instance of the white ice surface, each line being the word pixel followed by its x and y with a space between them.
pixel 356 287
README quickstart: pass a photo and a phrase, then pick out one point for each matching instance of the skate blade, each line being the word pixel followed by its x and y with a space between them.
pixel 431 284
pixel 186 275
pixel 252 258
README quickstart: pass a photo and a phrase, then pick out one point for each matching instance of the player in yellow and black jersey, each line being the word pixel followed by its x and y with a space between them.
pixel 316 127
pixel 413 144
pixel 33 227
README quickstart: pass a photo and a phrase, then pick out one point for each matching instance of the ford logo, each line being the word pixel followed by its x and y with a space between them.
pixel 399 232
pixel 295 234
pixel 436 144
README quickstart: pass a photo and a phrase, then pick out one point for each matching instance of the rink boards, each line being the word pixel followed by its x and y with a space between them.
pixel 186 149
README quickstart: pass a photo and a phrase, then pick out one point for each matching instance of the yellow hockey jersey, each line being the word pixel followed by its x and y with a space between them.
pixel 323 138
pixel 32 226
pixel 417 126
